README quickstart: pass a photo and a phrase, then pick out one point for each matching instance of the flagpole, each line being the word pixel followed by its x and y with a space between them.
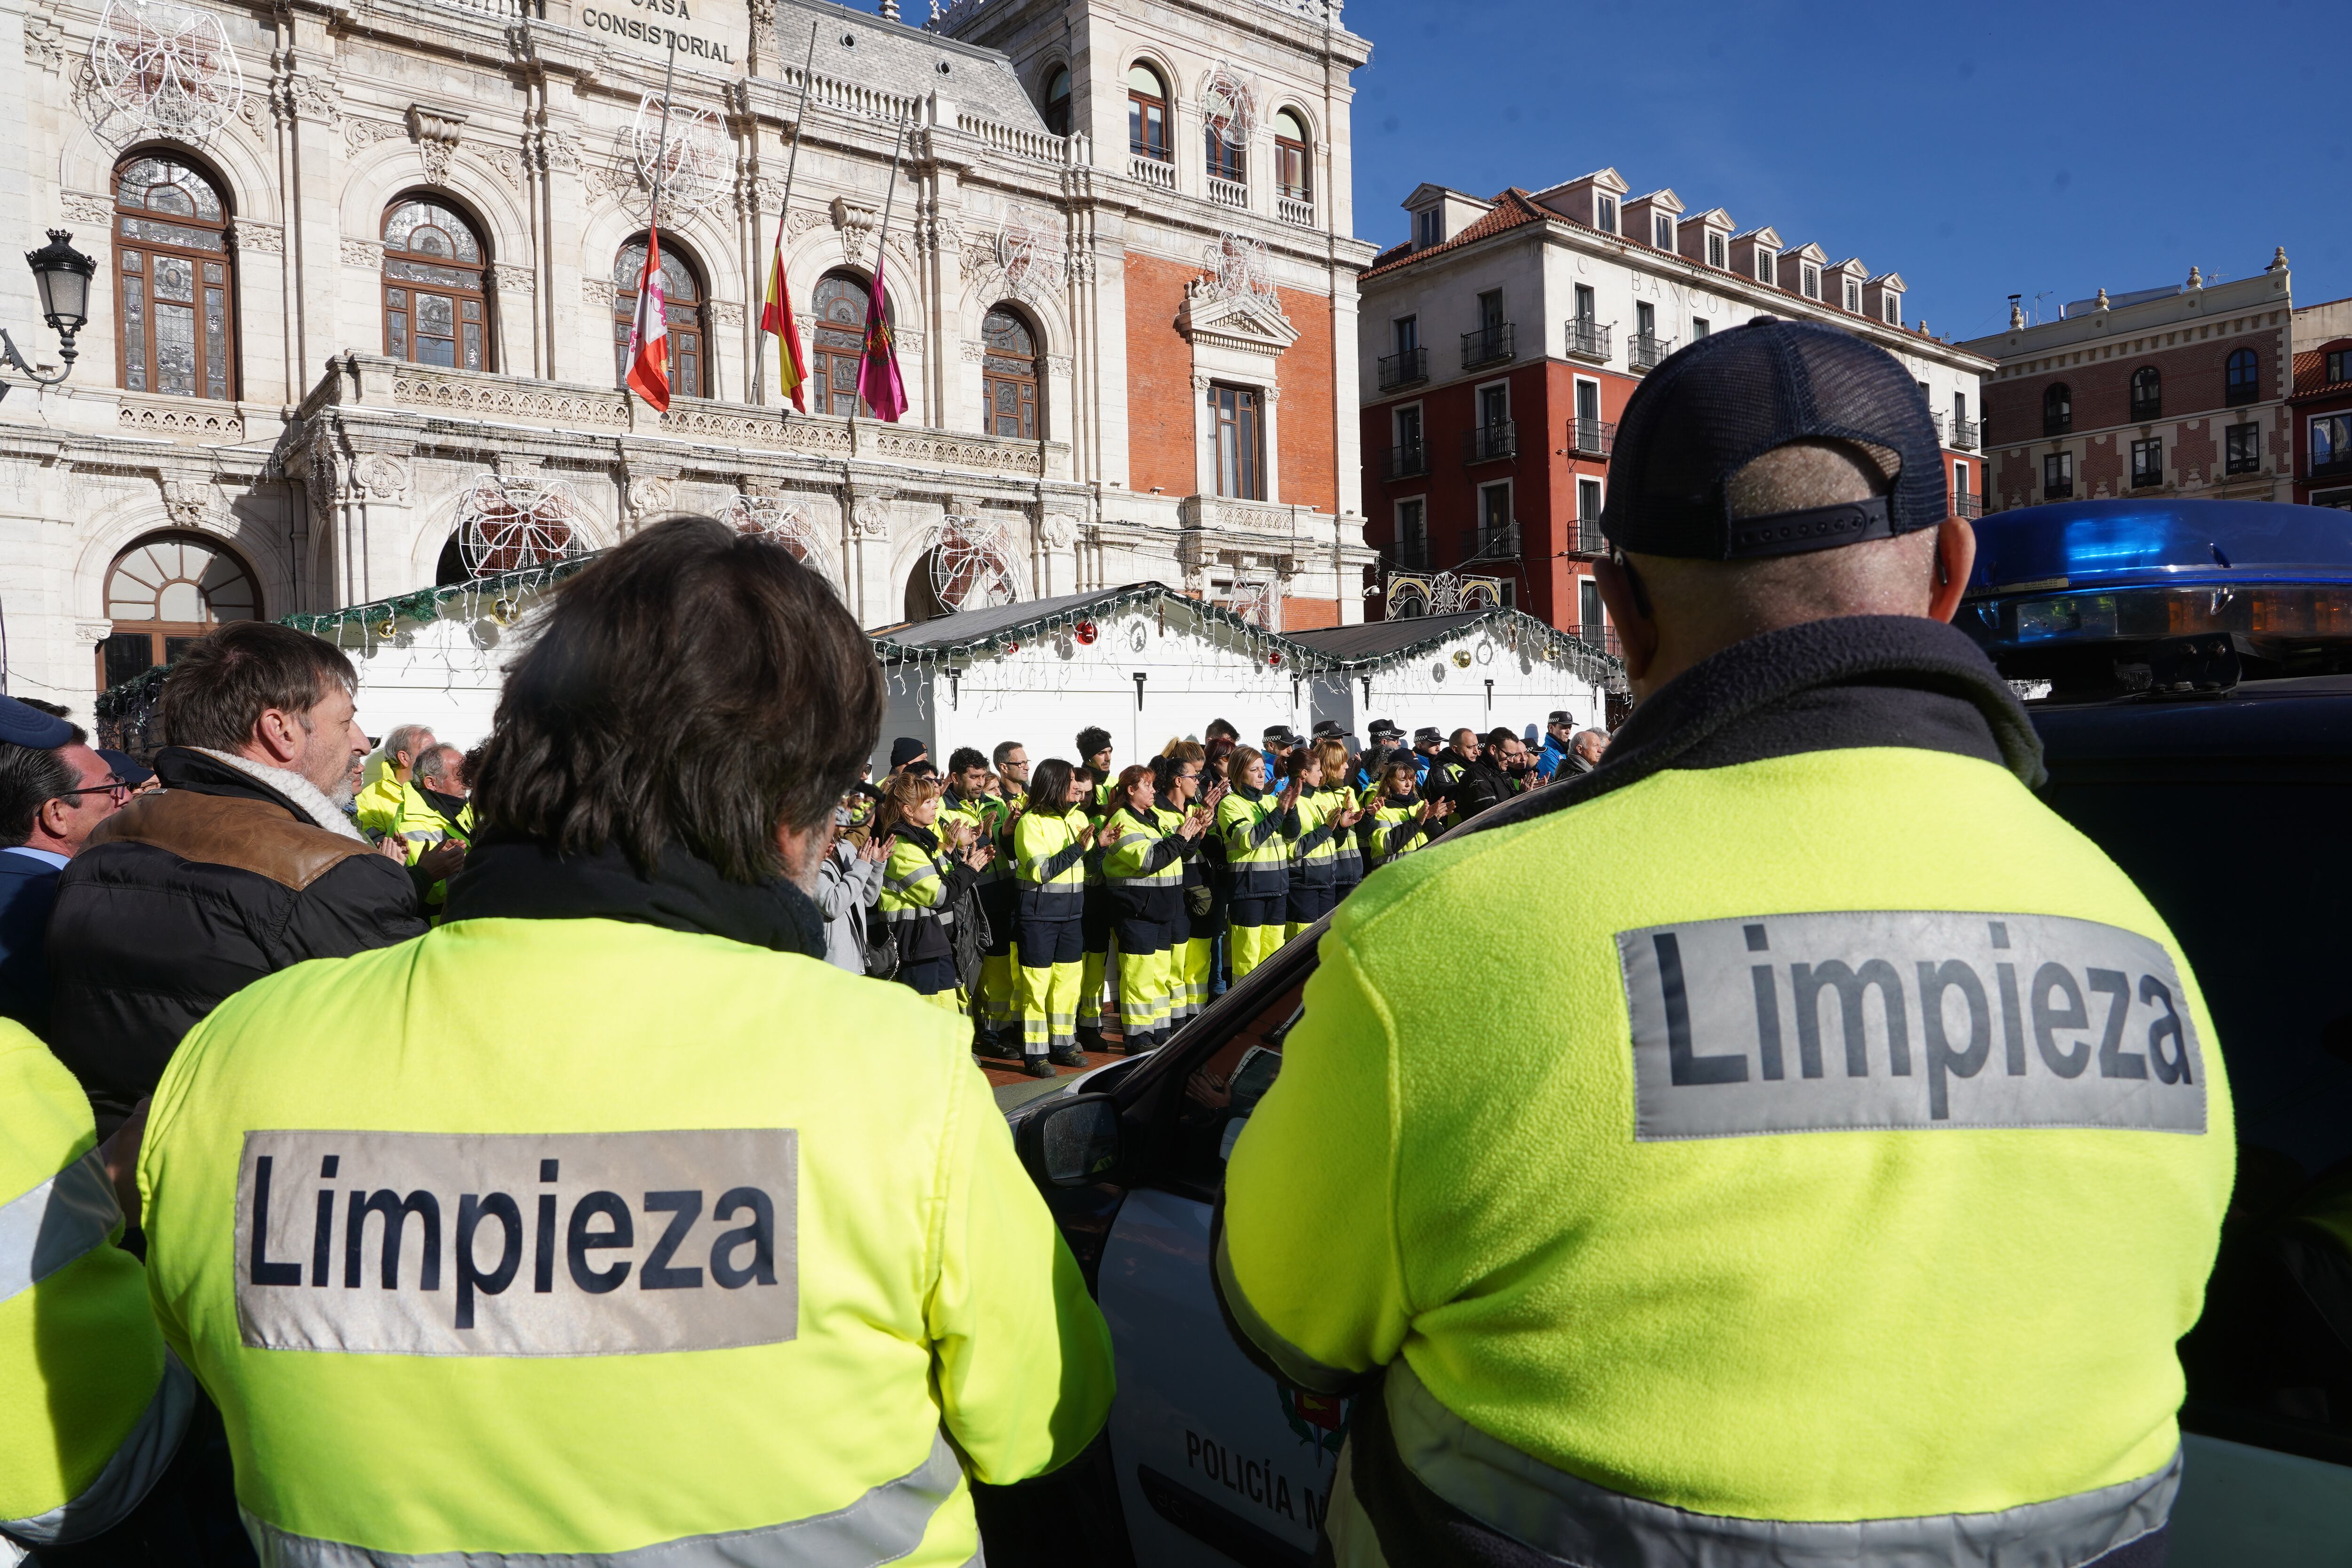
pixel 661 143
pixel 881 240
pixel 784 208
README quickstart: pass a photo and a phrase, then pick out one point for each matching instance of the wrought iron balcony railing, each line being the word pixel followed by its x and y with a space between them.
pixel 1405 460
pixel 1587 339
pixel 1485 443
pixel 1591 437
pixel 1646 350
pixel 1403 368
pixel 1488 345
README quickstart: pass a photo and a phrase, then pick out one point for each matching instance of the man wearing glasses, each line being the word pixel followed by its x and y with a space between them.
pixel 53 790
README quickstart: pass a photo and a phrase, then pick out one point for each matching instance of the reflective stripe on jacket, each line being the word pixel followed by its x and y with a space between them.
pixel 918 884
pixel 1048 864
pixel 1145 870
pixel 1395 828
pixel 718 1291
pixel 95 1404
pixel 1314 857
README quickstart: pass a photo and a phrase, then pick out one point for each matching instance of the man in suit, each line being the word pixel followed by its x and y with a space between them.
pixel 53 790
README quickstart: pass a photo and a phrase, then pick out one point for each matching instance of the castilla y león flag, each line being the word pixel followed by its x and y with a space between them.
pixel 878 371
pixel 649 331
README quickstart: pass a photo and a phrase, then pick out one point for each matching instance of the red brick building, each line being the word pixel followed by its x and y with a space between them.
pixel 2321 409
pixel 1498 347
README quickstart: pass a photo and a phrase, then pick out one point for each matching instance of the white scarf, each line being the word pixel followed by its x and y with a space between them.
pixel 306 796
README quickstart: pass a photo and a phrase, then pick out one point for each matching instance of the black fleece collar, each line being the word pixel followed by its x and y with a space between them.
pixel 511 877
pixel 1832 685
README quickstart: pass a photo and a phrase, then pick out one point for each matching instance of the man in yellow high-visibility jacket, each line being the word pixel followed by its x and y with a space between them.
pixel 1873 1153
pixel 536 1237
pixel 378 804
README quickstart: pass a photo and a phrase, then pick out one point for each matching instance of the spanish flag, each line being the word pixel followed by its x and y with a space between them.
pixel 776 316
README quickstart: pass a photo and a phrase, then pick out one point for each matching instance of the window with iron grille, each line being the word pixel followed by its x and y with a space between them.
pixel 2243 449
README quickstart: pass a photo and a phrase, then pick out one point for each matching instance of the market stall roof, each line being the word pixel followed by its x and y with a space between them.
pixel 1378 639
pixel 978 631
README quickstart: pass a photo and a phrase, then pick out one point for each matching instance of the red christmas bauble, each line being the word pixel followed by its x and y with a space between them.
pixel 1087 632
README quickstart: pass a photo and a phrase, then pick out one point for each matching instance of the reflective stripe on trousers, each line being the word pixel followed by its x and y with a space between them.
pixel 1578 1522
pixel 883 1526
pixel 41 1231
pixel 136 1465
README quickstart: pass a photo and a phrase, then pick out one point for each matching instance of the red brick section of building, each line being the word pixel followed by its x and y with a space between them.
pixel 1306 440
pixel 1160 396
pixel 2321 406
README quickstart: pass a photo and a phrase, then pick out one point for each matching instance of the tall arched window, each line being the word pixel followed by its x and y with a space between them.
pixel 2245 377
pixel 1008 374
pixel 435 308
pixel 175 308
pixel 1290 162
pixel 1147 114
pixel 1057 102
pixel 2146 393
pixel 837 337
pixel 163 594
pixel 2057 408
pixel 682 306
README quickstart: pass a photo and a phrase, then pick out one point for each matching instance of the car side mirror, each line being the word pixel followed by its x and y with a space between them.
pixel 1071 1142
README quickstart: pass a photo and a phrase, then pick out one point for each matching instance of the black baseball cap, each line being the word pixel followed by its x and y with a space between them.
pixel 1714 407
pixel 23 725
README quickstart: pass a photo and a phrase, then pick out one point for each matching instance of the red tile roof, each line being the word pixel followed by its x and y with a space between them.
pixel 1513 209
pixel 2311 373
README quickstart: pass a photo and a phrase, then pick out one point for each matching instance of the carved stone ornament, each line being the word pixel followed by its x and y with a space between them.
pixel 1057 365
pixel 45 42
pixel 382 475
pixel 312 97
pixel 974 351
pixel 873 516
pixel 801 222
pixel 361 134
pixel 189 502
pixel 598 291
pixel 436 131
pixel 505 277
pixel 82 208
pixel 649 497
pixel 726 312
pixel 1060 530
pixel 363 253
pixel 252 238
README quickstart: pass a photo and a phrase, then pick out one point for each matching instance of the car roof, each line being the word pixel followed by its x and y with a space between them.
pixel 2307 718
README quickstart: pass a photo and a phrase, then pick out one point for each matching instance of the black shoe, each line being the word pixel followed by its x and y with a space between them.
pixel 1067 1057
pixel 996 1050
pixel 1038 1066
pixel 1091 1038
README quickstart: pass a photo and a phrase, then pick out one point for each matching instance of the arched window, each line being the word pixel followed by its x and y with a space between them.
pixel 1057 102
pixel 837 336
pixel 1290 162
pixel 434 310
pixel 1008 374
pixel 2057 408
pixel 2146 393
pixel 163 594
pixel 682 305
pixel 1147 114
pixel 2245 381
pixel 177 307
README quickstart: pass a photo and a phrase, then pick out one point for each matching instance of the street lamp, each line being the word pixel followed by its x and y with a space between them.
pixel 62 274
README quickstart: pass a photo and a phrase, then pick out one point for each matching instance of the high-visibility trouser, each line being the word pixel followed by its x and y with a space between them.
pixel 1146 976
pixel 1094 926
pixel 1256 933
pixel 1195 960
pixel 1306 905
pixel 998 1004
pixel 934 980
pixel 1048 953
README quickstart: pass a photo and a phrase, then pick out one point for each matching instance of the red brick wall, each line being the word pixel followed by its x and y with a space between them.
pixel 1160 413
pixel 1306 424
pixel 2193 372
pixel 1310 614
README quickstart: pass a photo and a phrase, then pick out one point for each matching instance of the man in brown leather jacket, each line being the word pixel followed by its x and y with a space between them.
pixel 243 865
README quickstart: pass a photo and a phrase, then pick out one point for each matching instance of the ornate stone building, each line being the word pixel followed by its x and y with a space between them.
pixel 365 269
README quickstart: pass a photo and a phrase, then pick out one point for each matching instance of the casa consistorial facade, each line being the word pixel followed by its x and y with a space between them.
pixel 365 270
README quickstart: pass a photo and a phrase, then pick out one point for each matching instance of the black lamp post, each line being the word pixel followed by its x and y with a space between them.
pixel 62 274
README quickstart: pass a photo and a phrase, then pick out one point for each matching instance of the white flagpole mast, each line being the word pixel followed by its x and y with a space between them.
pixel 784 209
pixel 881 240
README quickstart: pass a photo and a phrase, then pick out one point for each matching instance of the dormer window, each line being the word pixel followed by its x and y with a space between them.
pixel 1664 226
pixel 1893 307
pixel 1763 264
pixel 1427 228
pixel 1853 296
pixel 1604 212
pixel 1809 280
pixel 1718 251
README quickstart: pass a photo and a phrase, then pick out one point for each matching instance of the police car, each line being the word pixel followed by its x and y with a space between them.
pixel 2188 666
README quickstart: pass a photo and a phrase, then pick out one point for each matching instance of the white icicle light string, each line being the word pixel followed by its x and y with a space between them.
pixel 697 166
pixel 164 68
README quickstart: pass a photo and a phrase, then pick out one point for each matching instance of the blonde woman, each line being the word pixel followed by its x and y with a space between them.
pixel 922 881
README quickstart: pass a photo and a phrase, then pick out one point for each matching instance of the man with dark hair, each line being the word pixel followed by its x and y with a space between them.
pixel 53 791
pixel 1221 730
pixel 1650 1282
pixel 243 865
pixel 751 1224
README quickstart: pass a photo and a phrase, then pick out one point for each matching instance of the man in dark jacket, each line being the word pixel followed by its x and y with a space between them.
pixel 1470 784
pixel 53 791
pixel 243 865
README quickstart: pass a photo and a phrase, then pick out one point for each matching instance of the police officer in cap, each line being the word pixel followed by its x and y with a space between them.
pixel 1874 1157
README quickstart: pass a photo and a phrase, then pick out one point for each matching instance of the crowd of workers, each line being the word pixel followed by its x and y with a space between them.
pixel 1051 902
pixel 1618 1264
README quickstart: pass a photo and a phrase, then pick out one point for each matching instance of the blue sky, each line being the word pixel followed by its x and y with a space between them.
pixel 1979 150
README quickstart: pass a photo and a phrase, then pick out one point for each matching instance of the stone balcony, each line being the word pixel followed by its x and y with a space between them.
pixel 1218 528
pixel 370 381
